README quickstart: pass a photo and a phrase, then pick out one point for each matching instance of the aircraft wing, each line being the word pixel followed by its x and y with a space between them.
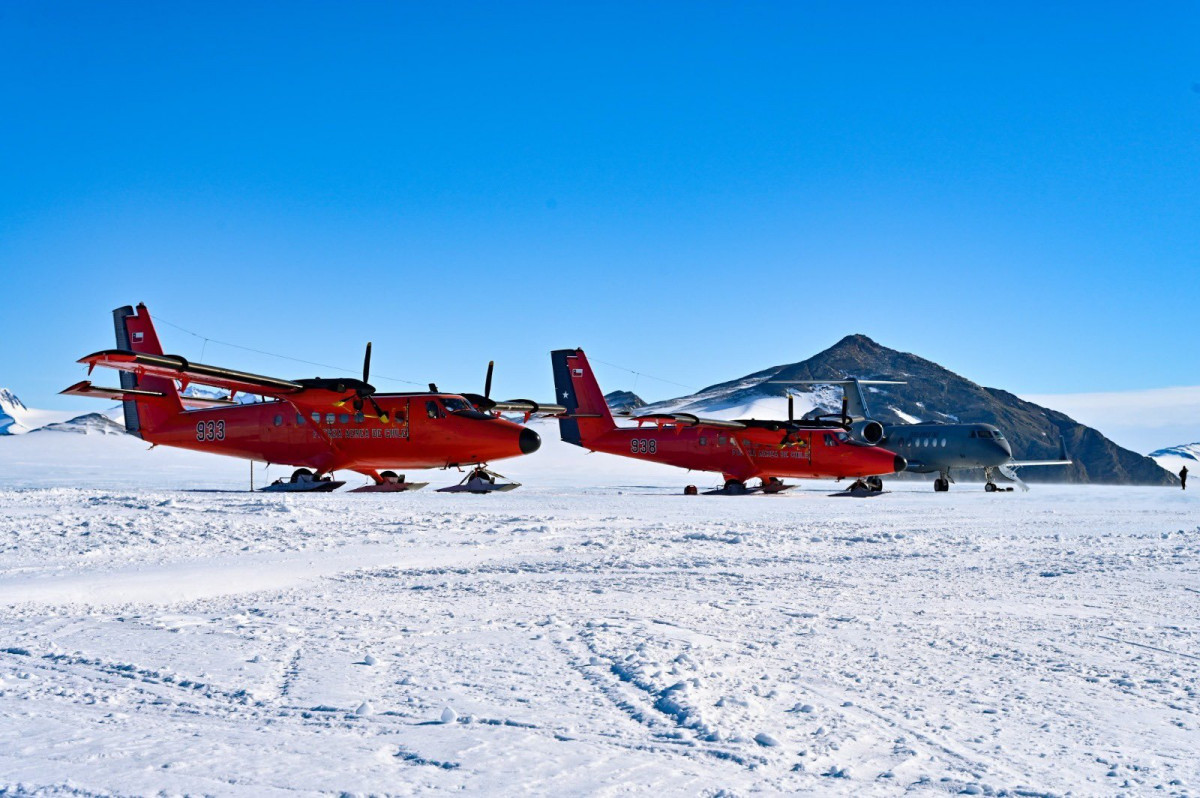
pixel 1028 463
pixel 684 420
pixel 174 367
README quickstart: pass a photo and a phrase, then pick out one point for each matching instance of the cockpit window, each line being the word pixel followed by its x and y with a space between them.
pixel 432 410
pixel 985 433
pixel 998 435
pixel 830 440
pixel 455 405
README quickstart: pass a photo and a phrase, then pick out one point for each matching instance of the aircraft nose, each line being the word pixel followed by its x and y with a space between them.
pixel 529 441
pixel 900 464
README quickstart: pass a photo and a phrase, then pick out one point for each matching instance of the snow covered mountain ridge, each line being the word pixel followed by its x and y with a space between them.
pixel 1173 458
pixel 1188 451
pixel 18 419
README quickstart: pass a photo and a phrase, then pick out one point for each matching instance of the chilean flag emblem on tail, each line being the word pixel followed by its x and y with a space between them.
pixel 137 337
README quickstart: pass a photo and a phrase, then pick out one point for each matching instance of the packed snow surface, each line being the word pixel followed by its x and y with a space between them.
pixel 164 630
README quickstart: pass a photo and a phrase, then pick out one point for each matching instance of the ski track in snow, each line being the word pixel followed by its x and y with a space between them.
pixel 553 641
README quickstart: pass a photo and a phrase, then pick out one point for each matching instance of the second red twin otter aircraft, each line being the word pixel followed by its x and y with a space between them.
pixel 739 450
pixel 343 423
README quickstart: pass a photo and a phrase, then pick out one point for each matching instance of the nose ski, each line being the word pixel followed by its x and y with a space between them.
pixel 481 480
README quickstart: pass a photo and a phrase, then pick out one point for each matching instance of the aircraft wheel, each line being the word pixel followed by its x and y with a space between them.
pixel 990 487
pixel 875 484
pixel 690 490
pixel 390 476
pixel 941 485
pixel 735 486
pixel 302 475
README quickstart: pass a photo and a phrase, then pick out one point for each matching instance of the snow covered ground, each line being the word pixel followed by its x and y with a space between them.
pixel 162 629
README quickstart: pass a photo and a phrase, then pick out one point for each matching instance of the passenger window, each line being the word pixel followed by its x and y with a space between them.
pixel 358 417
pixel 329 418
pixel 432 409
pixel 703 441
pixel 943 443
pixel 299 419
pixel 720 440
pixel 316 417
pixel 343 419
pixel 279 421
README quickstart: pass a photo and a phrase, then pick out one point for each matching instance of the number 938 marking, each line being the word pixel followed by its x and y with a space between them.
pixel 210 430
pixel 643 446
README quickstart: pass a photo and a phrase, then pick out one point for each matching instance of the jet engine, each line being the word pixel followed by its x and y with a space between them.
pixel 867 431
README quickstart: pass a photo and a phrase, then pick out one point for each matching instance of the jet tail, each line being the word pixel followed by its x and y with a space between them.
pixel 856 402
pixel 587 415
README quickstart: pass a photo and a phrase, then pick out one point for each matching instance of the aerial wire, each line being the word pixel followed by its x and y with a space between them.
pixel 644 374
pixel 206 340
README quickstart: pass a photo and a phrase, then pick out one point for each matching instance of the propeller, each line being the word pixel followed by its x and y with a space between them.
pixel 366 390
pixel 843 418
pixel 483 402
pixel 791 408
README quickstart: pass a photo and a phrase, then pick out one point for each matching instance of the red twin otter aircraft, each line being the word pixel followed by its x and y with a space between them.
pixel 740 450
pixel 319 424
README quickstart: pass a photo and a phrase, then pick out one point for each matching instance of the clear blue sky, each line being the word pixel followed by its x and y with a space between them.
pixel 692 190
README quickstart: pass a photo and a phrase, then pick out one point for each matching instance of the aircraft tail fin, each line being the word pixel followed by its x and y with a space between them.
pixel 587 415
pixel 856 402
pixel 135 333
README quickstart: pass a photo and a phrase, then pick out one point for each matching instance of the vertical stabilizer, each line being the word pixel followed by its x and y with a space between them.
pixel 133 424
pixel 587 415
pixel 135 333
pixel 856 403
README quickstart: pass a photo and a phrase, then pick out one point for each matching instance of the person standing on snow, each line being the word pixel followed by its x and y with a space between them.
pixel 1183 477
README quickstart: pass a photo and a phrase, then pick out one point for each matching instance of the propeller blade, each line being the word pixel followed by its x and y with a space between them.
pixel 791 408
pixel 367 363
pixel 383 417
pixel 487 383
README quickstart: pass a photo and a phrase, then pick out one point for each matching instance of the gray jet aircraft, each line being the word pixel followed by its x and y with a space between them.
pixel 933 447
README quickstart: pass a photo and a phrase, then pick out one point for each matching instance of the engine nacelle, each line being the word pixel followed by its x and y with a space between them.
pixel 867 431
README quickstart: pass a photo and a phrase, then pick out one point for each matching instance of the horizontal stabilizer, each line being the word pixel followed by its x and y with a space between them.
pixel 85 388
pixel 840 382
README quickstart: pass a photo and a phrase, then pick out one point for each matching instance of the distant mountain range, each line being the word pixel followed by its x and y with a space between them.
pixel 623 401
pixel 17 419
pixel 931 393
pixel 1174 458
pixel 12 411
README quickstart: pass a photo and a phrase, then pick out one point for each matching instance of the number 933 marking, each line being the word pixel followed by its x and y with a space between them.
pixel 643 446
pixel 210 430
